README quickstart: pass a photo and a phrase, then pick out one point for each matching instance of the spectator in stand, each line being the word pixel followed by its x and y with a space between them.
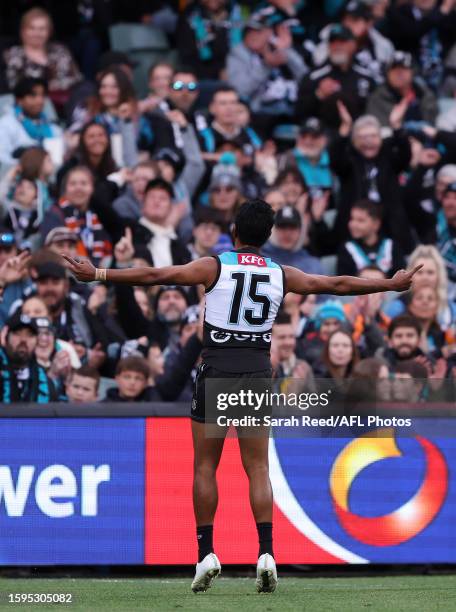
pixel 207 229
pixel 224 128
pixel 155 227
pixel 426 29
pixel 400 83
pixel 404 335
pixel 409 382
pixel 225 191
pixel 21 210
pixel 283 346
pixel 93 151
pixel 445 232
pixel 75 212
pixel 310 156
pixel 424 306
pixel 367 246
pixel 368 322
pixel 339 357
pixel 285 246
pixel 14 277
pixel 368 167
pixel 26 124
pixel 70 317
pixel 160 77
pixel 21 378
pixel 182 96
pixel 373 51
pixel 39 58
pixel 206 31
pixel 82 385
pixel 339 79
pixel 328 317
pixel 264 69
pixel 291 185
pixel 130 203
pixel 433 273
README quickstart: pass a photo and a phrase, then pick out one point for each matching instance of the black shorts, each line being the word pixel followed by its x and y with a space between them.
pixel 205 371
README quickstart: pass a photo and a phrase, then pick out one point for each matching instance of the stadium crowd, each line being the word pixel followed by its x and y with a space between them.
pixel 341 115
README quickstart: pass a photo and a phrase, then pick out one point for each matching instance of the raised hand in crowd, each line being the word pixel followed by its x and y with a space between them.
pixel 14 269
pixel 397 115
pixel 60 366
pixel 346 120
pixel 97 298
pixel 124 250
pixel 326 88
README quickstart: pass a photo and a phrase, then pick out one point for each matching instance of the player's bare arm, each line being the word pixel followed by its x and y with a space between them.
pixel 200 272
pixel 299 282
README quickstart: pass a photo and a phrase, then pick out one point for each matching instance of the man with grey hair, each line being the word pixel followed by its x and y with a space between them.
pixel 369 167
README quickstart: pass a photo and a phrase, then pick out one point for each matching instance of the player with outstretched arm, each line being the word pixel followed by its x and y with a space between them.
pixel 243 294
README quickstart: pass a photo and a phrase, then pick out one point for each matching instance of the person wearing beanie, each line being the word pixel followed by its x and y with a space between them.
pixel 328 318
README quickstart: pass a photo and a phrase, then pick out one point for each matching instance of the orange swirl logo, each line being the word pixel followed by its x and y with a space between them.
pixel 408 520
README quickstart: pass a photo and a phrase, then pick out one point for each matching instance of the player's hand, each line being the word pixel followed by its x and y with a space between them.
pixel 402 280
pixel 83 270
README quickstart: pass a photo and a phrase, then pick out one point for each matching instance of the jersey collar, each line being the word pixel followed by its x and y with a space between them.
pixel 247 250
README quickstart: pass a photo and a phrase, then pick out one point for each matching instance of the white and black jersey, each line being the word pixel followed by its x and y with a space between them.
pixel 241 306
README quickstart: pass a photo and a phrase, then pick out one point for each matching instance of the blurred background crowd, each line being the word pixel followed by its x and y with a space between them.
pixel 130 132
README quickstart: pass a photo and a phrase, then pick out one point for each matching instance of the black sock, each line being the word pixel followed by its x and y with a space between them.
pixel 204 537
pixel 265 538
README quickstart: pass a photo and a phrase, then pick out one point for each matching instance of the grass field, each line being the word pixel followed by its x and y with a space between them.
pixel 380 594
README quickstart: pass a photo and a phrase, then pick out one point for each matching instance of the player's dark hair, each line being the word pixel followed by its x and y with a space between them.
pixel 26 86
pixel 253 223
pixel 133 364
pixel 404 321
pixel 375 211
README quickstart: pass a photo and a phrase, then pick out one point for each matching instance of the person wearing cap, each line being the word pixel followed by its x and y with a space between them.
pixel 22 379
pixel 338 78
pixel 206 30
pixel 373 50
pixel 401 83
pixel 264 70
pixel 62 240
pixel 70 317
pixel 285 245
pixel 310 155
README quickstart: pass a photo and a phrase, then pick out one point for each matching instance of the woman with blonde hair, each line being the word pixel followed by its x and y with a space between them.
pixel 37 57
pixel 434 274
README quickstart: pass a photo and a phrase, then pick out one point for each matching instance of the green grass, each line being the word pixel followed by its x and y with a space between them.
pixel 379 594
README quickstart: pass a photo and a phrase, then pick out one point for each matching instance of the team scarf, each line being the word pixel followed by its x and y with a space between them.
pixel 318 175
pixel 93 239
pixel 204 35
pixel 36 389
pixel 37 128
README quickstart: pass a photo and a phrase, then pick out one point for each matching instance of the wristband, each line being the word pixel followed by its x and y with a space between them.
pixel 100 274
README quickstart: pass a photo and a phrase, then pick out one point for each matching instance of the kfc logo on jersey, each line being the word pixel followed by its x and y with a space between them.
pixel 251 260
